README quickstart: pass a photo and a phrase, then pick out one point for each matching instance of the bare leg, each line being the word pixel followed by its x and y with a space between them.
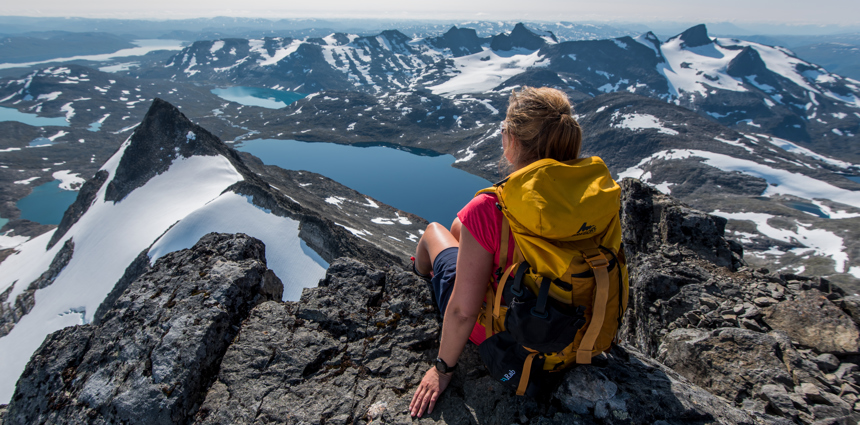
pixel 435 239
pixel 455 228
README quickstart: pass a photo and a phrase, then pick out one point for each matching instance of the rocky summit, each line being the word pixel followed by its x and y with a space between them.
pixel 201 337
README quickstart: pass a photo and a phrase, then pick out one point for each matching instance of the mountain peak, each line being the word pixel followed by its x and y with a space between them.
pixel 164 135
pixel 523 38
pixel 696 36
pixel 461 41
pixel 747 62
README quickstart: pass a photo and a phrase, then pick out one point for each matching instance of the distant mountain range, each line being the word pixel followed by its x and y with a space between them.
pixel 742 85
pixel 743 129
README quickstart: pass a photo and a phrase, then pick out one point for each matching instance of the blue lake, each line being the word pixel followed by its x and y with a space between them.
pixel 12 114
pixel 3 221
pixel 853 178
pixel 96 126
pixel 419 182
pixel 256 96
pixel 47 203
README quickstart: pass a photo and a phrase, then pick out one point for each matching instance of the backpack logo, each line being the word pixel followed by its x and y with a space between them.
pixel 586 229
pixel 509 375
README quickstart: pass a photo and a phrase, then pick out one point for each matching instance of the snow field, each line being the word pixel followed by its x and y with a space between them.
pixel 710 60
pixel 480 76
pixel 818 241
pixel 779 181
pixel 289 257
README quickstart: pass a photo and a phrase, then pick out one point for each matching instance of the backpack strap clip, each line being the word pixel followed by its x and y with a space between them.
pixel 596 259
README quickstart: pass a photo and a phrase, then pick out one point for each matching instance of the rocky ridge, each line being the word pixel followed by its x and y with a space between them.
pixel 706 340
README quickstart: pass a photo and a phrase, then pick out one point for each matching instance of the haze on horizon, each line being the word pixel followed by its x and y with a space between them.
pixel 790 12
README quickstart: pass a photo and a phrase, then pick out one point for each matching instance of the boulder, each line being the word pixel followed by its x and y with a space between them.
pixel 730 362
pixel 814 321
pixel 827 362
pixel 157 348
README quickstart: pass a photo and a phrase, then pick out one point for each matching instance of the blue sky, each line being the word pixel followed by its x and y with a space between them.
pixel 820 12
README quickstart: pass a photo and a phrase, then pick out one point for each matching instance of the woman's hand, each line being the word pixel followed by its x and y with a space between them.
pixel 433 384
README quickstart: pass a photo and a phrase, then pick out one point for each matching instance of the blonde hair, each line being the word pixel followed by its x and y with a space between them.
pixel 541 121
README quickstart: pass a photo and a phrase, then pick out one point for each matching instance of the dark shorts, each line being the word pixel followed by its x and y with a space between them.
pixel 444 272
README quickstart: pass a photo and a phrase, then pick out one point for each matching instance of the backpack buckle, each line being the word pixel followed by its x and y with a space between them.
pixel 596 261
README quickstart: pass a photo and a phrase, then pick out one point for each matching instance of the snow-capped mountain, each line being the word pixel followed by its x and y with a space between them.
pixel 170 183
pixel 740 84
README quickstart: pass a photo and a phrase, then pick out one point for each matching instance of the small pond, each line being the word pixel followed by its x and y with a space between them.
pixel 256 96
pixel 419 182
pixel 47 203
pixel 853 178
pixel 12 114
pixel 807 208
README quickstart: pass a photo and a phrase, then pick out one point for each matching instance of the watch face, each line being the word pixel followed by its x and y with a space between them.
pixel 443 367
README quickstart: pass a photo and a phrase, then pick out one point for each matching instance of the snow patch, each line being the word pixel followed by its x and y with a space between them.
pixel 67 180
pixel 640 122
pixel 50 96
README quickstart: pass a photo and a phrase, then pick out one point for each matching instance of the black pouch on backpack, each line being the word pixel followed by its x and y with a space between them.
pixel 549 331
pixel 505 359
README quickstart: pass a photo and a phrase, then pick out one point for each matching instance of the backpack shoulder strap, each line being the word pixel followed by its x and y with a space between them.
pixel 599 264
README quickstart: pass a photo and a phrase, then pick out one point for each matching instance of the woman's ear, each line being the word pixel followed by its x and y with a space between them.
pixel 510 147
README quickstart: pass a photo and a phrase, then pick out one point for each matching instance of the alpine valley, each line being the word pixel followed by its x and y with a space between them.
pixel 741 214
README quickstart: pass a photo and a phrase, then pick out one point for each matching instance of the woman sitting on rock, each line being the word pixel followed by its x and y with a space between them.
pixel 538 125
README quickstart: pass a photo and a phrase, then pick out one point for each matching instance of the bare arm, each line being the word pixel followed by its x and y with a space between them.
pixel 474 265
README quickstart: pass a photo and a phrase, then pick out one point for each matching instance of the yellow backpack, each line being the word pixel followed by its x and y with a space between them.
pixel 570 287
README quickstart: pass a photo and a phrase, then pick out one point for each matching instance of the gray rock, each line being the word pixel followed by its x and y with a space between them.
pixel 157 348
pixel 814 321
pixel 730 362
pixel 779 400
pixel 827 362
pixel 751 325
pixel 851 305
pixel 810 393
pixel 845 369
pixel 618 392
pixel 833 409
pixel 764 301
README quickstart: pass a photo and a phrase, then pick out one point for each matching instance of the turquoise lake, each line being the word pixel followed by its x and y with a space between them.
pixel 12 114
pixel 47 203
pixel 419 182
pixel 256 96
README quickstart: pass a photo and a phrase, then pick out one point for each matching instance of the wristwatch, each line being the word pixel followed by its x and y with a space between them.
pixel 443 367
